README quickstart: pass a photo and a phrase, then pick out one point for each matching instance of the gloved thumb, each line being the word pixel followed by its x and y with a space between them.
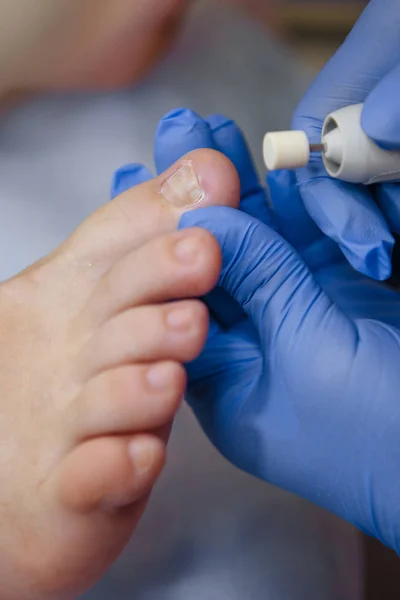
pixel 381 116
pixel 271 283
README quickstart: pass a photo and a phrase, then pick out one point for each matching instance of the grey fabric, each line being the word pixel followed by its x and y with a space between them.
pixel 210 533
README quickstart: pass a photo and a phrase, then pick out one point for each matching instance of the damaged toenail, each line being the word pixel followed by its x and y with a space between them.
pixel 183 188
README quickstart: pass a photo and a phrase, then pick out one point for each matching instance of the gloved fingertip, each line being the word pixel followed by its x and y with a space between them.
pixel 384 262
pixel 376 263
pixel 218 121
pixel 182 118
pixel 127 177
pixel 179 132
pixel 182 113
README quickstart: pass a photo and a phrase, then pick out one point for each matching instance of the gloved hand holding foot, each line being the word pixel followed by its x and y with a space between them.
pixel 299 385
pixel 305 393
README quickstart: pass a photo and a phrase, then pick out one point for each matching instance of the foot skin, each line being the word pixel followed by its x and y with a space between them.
pixel 93 341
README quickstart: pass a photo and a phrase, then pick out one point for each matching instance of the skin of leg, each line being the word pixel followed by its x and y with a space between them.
pixel 93 341
pixel 83 43
pixel 96 44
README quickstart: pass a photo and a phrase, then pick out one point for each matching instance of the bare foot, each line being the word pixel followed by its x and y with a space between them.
pixel 93 341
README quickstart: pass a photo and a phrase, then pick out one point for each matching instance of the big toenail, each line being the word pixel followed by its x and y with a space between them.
pixel 183 188
pixel 181 319
pixel 187 250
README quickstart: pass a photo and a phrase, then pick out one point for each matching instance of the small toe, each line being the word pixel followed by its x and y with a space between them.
pixel 108 474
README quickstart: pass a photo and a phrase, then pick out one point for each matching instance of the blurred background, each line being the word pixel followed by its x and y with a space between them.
pixel 315 27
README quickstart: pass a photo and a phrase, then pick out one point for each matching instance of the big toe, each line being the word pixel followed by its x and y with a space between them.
pixel 200 179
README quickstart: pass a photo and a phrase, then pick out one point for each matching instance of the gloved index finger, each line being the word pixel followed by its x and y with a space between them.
pixel 229 139
pixel 178 133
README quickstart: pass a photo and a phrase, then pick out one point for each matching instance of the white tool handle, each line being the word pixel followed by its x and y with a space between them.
pixel 361 160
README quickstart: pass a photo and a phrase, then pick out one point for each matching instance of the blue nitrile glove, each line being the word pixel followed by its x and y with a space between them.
pixel 305 394
pixel 302 391
pixel 365 69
